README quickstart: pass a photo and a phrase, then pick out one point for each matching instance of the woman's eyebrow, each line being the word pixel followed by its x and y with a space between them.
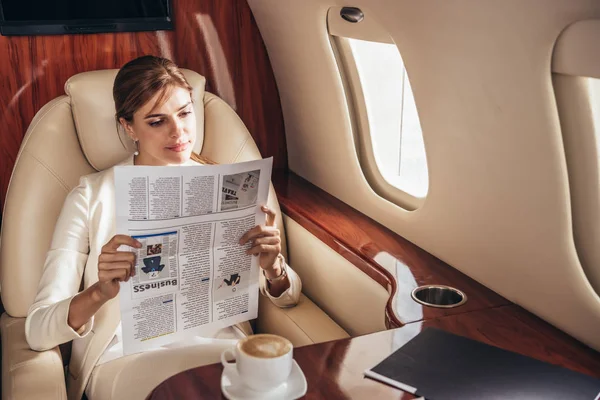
pixel 162 115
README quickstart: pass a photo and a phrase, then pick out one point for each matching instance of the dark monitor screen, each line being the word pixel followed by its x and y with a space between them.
pixel 27 17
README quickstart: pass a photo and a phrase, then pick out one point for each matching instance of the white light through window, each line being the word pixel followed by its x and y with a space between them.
pixel 394 124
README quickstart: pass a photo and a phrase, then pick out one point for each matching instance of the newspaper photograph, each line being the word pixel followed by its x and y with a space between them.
pixel 240 190
pixel 191 273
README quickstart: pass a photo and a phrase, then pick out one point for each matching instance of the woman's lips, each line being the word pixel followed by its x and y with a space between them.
pixel 179 147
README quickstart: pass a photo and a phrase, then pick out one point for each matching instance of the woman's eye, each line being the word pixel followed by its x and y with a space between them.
pixel 185 114
pixel 154 124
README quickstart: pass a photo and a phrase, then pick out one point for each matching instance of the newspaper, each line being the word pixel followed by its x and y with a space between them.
pixel 191 273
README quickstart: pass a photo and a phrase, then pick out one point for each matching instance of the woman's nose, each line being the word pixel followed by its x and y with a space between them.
pixel 178 129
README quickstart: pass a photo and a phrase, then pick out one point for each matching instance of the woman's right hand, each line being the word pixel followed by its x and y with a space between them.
pixel 115 266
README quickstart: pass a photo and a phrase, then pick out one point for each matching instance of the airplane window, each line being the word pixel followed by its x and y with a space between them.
pixel 393 121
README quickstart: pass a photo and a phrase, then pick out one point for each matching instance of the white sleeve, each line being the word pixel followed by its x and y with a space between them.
pixel 46 325
pixel 291 296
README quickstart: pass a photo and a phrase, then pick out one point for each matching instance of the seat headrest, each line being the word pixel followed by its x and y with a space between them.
pixel 93 108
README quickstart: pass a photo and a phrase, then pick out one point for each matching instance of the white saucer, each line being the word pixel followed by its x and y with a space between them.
pixel 234 389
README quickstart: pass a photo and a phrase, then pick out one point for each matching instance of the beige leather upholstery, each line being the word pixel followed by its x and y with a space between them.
pixel 71 136
pixel 28 374
pixel 48 165
pixel 303 324
pixel 334 284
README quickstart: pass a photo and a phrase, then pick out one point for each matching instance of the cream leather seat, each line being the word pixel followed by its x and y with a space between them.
pixel 75 135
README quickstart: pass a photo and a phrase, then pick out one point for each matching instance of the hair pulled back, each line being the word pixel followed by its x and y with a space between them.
pixel 139 80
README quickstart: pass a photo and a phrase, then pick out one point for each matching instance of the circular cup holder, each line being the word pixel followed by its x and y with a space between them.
pixel 439 296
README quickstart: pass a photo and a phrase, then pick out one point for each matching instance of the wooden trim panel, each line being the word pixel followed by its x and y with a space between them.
pixel 395 263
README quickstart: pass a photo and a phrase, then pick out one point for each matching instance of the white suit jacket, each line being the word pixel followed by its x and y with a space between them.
pixel 86 223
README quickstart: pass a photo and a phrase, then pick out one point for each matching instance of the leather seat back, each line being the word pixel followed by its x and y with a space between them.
pixel 74 135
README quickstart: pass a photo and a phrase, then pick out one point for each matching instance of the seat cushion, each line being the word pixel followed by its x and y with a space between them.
pixel 303 324
pixel 28 374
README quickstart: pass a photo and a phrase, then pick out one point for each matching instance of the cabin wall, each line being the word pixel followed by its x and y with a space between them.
pixel 498 207
pixel 217 38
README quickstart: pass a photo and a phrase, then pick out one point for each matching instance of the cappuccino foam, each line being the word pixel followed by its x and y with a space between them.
pixel 265 346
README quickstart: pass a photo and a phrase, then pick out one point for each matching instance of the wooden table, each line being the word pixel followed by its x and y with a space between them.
pixel 334 370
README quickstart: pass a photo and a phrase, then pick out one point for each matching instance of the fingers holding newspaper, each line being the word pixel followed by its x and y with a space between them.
pixel 115 266
pixel 266 241
pixel 266 244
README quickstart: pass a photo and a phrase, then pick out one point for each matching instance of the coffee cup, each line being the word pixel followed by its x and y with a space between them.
pixel 263 361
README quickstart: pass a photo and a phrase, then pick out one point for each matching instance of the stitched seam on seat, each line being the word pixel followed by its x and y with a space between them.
pixel 23 364
pixel 28 362
pixel 213 98
pixel 295 323
pixel 50 170
pixel 12 321
pixel 59 393
pixel 80 135
pixel 241 149
pixel 77 131
pixel 28 136
pixel 32 128
pixel 235 113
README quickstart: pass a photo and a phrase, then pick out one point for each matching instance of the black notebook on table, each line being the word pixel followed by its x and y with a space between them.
pixel 441 366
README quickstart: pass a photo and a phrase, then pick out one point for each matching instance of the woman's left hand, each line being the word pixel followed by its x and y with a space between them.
pixel 266 241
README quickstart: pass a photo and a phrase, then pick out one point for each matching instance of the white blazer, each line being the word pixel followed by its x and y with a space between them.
pixel 85 224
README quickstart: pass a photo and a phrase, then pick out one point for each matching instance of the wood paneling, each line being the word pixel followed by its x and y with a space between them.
pixel 392 261
pixel 217 38
pixel 334 370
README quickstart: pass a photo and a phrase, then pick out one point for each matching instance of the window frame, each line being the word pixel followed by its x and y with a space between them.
pixel 357 108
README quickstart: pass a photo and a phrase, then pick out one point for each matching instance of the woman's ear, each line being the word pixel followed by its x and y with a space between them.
pixel 128 129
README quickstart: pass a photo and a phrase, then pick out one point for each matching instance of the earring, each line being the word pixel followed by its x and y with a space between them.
pixel 137 148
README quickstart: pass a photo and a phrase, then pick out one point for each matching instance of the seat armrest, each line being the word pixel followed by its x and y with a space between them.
pixel 28 374
pixel 302 324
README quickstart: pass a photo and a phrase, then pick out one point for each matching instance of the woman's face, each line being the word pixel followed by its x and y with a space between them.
pixel 166 134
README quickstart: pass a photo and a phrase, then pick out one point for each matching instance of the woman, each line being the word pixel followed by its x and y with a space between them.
pixel 154 107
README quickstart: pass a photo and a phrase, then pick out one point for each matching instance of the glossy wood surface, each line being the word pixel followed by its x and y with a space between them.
pixel 217 38
pixel 334 370
pixel 389 259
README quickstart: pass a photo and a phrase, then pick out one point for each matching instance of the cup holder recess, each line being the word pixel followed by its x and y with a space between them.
pixel 439 296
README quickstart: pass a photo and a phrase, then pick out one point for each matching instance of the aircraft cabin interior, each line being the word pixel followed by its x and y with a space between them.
pixel 418 217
